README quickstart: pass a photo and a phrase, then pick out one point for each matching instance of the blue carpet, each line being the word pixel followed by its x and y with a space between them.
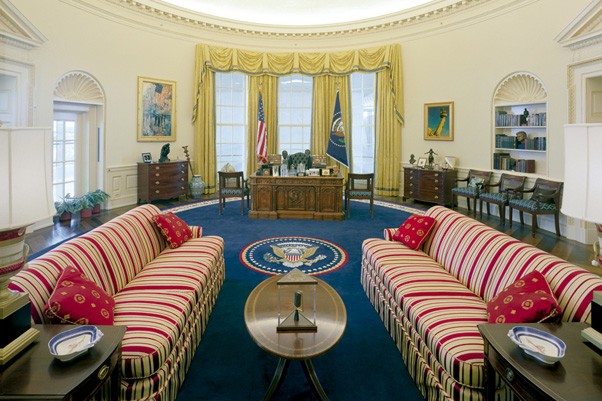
pixel 228 365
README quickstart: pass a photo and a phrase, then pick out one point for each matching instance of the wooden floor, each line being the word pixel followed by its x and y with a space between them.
pixel 569 250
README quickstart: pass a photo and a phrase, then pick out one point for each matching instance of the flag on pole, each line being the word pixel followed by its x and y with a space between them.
pixel 337 144
pixel 262 134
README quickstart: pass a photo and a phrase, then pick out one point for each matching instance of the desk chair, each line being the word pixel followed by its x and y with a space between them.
pixel 233 185
pixel 300 157
pixel 359 186
pixel 474 184
pixel 500 198
pixel 546 199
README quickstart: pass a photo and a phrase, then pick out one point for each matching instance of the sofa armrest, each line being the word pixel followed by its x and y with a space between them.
pixel 388 233
pixel 197 231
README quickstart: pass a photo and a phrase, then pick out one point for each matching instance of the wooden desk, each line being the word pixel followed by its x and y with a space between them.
pixel 261 318
pixel 37 375
pixel 162 180
pixel 318 198
pixel 577 376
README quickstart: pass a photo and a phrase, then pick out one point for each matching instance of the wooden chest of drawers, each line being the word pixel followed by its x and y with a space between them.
pixel 162 180
pixel 432 186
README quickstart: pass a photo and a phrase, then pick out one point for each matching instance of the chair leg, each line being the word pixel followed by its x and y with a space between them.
pixel 557 221
pixel 533 224
pixel 371 208
pixel 242 205
pixel 481 208
pixel 219 201
pixel 468 203
pixel 520 215
pixel 347 206
pixel 488 211
pixel 502 214
pixel 510 215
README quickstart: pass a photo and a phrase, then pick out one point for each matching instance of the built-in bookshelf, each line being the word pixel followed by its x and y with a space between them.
pixel 520 134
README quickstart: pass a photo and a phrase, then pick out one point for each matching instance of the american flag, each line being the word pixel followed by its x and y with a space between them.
pixel 262 134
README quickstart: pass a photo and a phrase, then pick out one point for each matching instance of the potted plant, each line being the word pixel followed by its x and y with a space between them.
pixel 85 206
pixel 97 198
pixel 66 207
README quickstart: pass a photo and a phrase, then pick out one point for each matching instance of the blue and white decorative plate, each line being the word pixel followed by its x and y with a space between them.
pixel 539 344
pixel 74 342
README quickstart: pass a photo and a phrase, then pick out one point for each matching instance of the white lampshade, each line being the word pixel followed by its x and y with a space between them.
pixel 582 195
pixel 451 161
pixel 25 176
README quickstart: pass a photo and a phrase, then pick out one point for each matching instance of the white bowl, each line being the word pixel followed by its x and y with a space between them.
pixel 72 343
pixel 539 344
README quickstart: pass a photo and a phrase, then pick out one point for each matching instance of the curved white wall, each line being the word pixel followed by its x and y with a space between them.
pixel 444 59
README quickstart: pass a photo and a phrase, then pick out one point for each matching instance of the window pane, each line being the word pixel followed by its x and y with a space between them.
pixel 363 128
pixel 58 173
pixel 69 171
pixel 294 113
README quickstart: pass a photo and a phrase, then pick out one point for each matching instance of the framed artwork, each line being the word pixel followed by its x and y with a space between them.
pixel 147 158
pixel 439 121
pixel 421 162
pixel 156 110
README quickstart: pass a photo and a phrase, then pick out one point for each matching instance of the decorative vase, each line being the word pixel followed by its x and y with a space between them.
pixel 197 186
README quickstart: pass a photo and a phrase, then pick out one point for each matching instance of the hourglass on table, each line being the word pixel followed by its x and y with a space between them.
pixel 291 289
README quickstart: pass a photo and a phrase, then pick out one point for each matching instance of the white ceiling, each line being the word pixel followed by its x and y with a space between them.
pixel 298 12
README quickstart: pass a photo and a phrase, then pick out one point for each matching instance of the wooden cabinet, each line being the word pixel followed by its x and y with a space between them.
pixel 162 180
pixel 318 198
pixel 520 125
pixel 432 186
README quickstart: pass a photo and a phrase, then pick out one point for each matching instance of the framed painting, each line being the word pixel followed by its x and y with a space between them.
pixel 439 121
pixel 156 110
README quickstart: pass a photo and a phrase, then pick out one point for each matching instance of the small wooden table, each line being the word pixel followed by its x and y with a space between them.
pixel 37 375
pixel 261 318
pixel 577 376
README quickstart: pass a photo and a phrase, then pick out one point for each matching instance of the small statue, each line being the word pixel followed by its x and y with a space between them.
pixel 164 152
pixel 524 118
pixel 431 154
pixel 412 159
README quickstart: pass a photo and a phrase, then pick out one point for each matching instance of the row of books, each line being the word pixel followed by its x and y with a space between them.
pixel 503 161
pixel 503 141
pixel 503 119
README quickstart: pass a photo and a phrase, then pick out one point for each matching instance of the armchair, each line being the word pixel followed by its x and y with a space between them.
pixel 359 186
pixel 474 184
pixel 501 197
pixel 546 199
pixel 300 157
pixel 233 185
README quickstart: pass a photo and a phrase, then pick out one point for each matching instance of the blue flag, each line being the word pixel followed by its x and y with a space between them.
pixel 337 144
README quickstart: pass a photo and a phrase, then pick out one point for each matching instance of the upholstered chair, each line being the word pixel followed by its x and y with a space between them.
pixel 233 185
pixel 300 157
pixel 475 181
pixel 500 196
pixel 546 199
pixel 359 186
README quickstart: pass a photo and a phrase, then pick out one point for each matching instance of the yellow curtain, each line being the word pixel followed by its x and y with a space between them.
pixel 332 67
pixel 325 91
pixel 268 86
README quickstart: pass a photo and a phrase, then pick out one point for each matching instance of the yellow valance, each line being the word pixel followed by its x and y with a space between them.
pixel 221 59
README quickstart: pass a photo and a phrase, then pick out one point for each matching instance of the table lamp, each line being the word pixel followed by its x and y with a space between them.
pixel 583 176
pixel 25 199
pixel 450 162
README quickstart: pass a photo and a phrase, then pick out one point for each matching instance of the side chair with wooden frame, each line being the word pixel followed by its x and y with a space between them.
pixel 233 185
pixel 474 183
pixel 546 199
pixel 501 197
pixel 359 186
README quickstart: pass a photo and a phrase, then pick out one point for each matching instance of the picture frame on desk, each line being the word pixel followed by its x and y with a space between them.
pixel 421 162
pixel 439 121
pixel 156 110
pixel 147 158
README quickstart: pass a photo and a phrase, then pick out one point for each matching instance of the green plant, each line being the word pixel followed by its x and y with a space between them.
pixel 97 197
pixel 67 204
pixel 84 202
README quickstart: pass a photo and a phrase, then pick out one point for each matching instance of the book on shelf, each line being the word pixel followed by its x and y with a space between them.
pixel 503 161
pixel 525 165
pixel 504 119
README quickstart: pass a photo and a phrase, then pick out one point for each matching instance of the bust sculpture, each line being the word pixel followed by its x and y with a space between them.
pixel 164 152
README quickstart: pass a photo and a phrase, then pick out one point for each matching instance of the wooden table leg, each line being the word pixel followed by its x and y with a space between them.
pixel 277 379
pixel 312 378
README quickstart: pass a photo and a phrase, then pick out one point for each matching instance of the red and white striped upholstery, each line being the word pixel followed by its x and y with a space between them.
pixel 431 302
pixel 164 296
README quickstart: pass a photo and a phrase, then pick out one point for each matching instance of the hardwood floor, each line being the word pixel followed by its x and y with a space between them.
pixel 566 249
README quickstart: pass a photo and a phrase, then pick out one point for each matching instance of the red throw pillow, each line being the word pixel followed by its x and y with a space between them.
pixel 174 229
pixel 527 300
pixel 415 231
pixel 78 300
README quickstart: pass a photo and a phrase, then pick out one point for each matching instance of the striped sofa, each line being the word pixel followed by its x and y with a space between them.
pixel 431 301
pixel 164 296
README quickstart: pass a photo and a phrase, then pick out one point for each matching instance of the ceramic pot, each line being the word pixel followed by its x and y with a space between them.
pixel 197 186
pixel 85 213
pixel 96 209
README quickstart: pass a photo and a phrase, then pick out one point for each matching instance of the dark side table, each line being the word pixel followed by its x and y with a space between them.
pixel 37 375
pixel 577 376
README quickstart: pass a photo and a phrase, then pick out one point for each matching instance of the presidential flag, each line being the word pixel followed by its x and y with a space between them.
pixel 262 134
pixel 337 144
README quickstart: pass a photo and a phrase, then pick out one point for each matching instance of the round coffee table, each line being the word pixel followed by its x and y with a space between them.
pixel 261 318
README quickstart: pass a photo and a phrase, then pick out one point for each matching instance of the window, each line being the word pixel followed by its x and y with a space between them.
pixel 294 113
pixel 63 165
pixel 231 120
pixel 362 117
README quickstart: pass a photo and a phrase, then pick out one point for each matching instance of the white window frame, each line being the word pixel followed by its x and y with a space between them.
pixel 363 108
pixel 295 95
pixel 230 129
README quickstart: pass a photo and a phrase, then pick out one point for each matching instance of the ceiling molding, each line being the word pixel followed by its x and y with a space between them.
pixel 16 30
pixel 585 30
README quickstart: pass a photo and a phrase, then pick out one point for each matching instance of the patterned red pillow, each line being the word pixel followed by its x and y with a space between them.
pixel 527 300
pixel 415 231
pixel 174 229
pixel 78 300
